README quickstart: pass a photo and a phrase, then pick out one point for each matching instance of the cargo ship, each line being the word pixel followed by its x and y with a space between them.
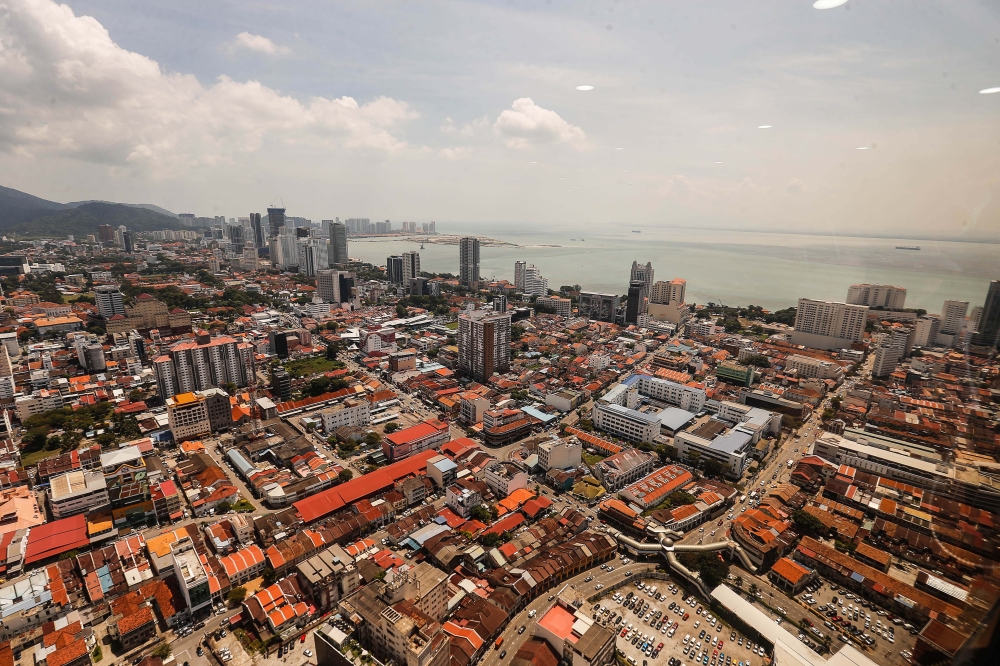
pixel 907 247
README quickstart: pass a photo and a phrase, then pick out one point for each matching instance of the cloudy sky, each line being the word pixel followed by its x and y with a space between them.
pixel 471 112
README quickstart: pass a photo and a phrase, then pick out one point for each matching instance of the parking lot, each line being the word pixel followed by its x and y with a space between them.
pixel 651 626
pixel 873 626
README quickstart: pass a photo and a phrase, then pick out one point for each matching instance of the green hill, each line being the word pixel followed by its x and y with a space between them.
pixel 85 218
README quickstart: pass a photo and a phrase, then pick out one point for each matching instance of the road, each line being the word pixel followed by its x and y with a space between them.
pixel 512 640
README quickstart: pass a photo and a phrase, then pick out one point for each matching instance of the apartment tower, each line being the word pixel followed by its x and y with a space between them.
pixel 483 343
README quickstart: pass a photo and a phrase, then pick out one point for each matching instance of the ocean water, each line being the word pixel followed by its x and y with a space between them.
pixel 772 270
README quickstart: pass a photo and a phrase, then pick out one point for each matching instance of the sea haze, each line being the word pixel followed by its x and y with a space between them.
pixel 733 267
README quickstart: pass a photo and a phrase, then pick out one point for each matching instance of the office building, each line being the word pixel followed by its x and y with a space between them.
pixel 338 244
pixel 108 299
pixel 899 461
pixel 483 344
pixel 628 424
pixel 602 307
pixel 203 363
pixel 894 348
pixel 281 384
pixel 561 306
pixel 105 233
pixel 728 438
pixel 813 368
pixel 880 296
pixel 828 325
pixel 534 283
pixel 79 491
pixel 275 221
pixel 926 330
pixel 394 269
pixel 259 235
pixel 127 242
pixel 338 287
pixel 187 415
pixel 952 317
pixel 635 303
pixel 411 266
pixel 519 267
pixel 643 274
pixel 191 574
pixel 312 256
pixel 566 453
pixel 500 303
pixel 468 262
pixel 988 326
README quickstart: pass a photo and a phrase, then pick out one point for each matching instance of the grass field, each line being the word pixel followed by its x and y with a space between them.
pixel 30 459
pixel 311 366
pixel 591 459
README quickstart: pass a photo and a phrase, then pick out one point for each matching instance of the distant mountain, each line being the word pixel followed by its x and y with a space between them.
pixel 16 207
pixel 152 207
pixel 26 214
pixel 84 219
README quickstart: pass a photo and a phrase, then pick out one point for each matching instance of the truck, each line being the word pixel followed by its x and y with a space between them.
pixel 496 646
pixel 790 462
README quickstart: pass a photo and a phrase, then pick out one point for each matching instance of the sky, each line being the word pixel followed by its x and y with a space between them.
pixel 866 118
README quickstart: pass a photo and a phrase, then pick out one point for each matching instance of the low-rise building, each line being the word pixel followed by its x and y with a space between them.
pixel 328 577
pixel 78 492
pixel 503 426
pixel 623 468
pixel 656 487
pixel 566 453
pixel 807 366
pixel 413 440
pixel 789 576
pixel 351 413
pixel 503 478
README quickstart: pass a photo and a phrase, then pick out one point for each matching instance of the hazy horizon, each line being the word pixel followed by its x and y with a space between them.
pixel 861 120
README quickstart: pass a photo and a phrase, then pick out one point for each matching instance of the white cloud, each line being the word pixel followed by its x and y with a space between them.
pixel 453 153
pixel 258 43
pixel 526 124
pixel 67 90
pixel 449 126
pixel 796 186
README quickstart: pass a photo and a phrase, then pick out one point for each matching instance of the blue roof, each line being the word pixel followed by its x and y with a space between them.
pixel 541 416
pixel 445 464
pixel 732 441
pixel 631 379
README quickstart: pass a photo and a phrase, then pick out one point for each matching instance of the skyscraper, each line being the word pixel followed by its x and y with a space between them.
pixel 877 296
pixel 828 325
pixel 534 283
pixel 519 267
pixel 665 293
pixel 108 298
pixel 953 316
pixel 338 244
pixel 634 302
pixel 203 364
pixel 394 269
pixel 258 230
pixel 312 256
pixel 989 321
pixel 601 307
pixel 642 274
pixel 411 266
pixel 127 242
pixel 500 303
pixel 275 220
pixel 105 232
pixel 468 262
pixel 483 343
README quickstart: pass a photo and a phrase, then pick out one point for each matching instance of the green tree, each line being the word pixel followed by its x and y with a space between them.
pixel 126 427
pixel 713 468
pixel 491 540
pixel 401 311
pixel 162 650
pixel 519 394
pixel 808 524
pixel 484 513
pixel 236 596
pixel 347 447
pixel 758 360
pixel 345 475
pixel 391 427
pixel 224 507
pixel 332 351
pixel 372 438
pixel 230 388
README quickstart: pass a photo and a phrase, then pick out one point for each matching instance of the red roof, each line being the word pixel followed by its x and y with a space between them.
pixel 55 538
pixel 509 523
pixel 336 498
pixel 532 507
pixel 414 433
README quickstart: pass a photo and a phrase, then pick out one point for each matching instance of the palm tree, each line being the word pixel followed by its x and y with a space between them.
pixel 739 582
pixel 753 589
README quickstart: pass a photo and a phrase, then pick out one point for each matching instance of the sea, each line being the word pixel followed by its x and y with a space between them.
pixel 772 270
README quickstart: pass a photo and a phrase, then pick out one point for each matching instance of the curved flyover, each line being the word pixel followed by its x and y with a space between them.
pixel 667 547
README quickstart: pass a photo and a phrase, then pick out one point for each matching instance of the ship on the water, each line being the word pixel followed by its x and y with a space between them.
pixel 907 247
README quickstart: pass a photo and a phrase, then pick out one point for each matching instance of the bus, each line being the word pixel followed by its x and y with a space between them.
pixel 499 642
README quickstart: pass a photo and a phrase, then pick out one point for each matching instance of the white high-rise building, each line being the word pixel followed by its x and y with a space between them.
pixel 892 350
pixel 109 302
pixel 519 267
pixel 665 293
pixel 877 296
pixel 534 283
pixel 313 256
pixel 203 364
pixel 927 328
pixel 828 325
pixel 411 266
pixel 952 316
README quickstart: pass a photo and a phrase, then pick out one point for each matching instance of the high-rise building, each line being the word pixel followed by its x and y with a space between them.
pixel 259 238
pixel 468 262
pixel 127 242
pixel 335 286
pixel 601 307
pixel 281 384
pixel 953 316
pixel 988 329
pixel 312 256
pixel 275 220
pixel 394 269
pixel 635 301
pixel 108 298
pixel 411 266
pixel 665 293
pixel 105 232
pixel 338 244
pixel 877 296
pixel 893 349
pixel 483 343
pixel 202 364
pixel 534 283
pixel 278 343
pixel 642 274
pixel 519 267
pixel 927 328
pixel 828 325
pixel 500 303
